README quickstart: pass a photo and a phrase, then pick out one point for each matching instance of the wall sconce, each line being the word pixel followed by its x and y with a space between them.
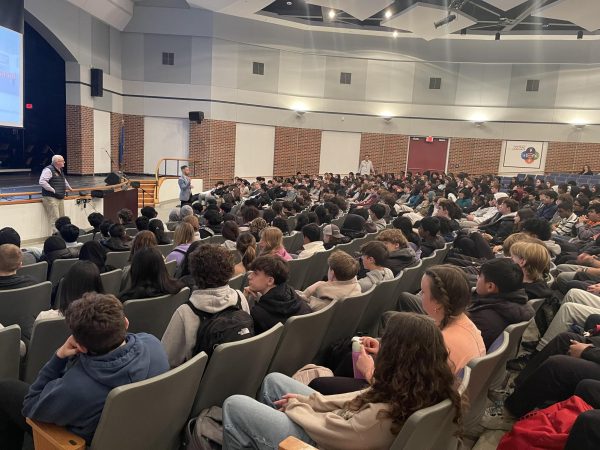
pixel 300 114
pixel 478 123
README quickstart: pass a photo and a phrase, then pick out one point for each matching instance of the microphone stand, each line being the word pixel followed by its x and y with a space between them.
pixel 119 171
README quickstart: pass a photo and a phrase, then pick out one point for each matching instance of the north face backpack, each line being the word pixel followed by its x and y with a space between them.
pixel 230 325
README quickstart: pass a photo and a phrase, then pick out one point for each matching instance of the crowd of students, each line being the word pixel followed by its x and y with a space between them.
pixel 511 244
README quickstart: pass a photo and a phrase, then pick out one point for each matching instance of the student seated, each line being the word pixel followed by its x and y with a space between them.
pixel 401 255
pixel 274 301
pixel 499 300
pixel 183 237
pixel 534 260
pixel 502 224
pixel 271 244
pixel 70 233
pixel 376 216
pixel 55 248
pixel 149 277
pixel 72 387
pixel 374 255
pixel 82 277
pixel 541 229
pixel 313 242
pixel 212 267
pixel 11 260
pixel 369 419
pixel 118 240
pixel 568 220
pixel 9 235
pixel 94 252
pixel 429 228
pixel 548 206
pixel 354 226
pixel 332 236
pixel 341 282
pixel 95 219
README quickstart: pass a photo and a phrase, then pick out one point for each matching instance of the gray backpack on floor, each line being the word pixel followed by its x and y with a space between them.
pixel 205 432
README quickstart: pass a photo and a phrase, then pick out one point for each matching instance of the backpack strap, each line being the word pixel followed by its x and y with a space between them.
pixel 202 314
pixel 178 250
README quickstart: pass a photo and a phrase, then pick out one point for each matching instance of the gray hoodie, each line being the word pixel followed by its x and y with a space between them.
pixel 180 336
pixel 374 277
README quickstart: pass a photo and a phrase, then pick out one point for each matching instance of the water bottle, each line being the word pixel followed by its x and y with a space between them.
pixel 356 347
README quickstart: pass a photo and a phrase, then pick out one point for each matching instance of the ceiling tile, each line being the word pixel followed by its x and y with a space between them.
pixel 585 13
pixel 419 19
pixel 505 5
pixel 361 9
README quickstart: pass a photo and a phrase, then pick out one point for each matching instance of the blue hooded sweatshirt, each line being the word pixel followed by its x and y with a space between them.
pixel 74 396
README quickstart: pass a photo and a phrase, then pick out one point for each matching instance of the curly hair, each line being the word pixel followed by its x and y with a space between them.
pixel 450 288
pixel 411 371
pixel 211 266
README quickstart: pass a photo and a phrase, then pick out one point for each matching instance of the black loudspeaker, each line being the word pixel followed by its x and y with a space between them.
pixel 196 116
pixel 112 179
pixel 97 82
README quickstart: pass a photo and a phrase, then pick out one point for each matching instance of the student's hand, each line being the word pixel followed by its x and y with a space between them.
pixel 370 344
pixel 576 348
pixel 470 217
pixel 283 402
pixel 583 257
pixel 487 237
pixel 365 364
pixel 594 289
pixel 497 249
pixel 68 349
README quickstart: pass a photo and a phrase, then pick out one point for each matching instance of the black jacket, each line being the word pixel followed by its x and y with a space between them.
pixel 277 305
pixel 492 314
pixel 428 247
pixel 114 244
pixel 16 282
pixel 400 259
pixel 537 289
pixel 499 227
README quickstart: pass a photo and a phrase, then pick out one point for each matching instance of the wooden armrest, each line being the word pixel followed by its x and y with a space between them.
pixel 292 443
pixel 47 436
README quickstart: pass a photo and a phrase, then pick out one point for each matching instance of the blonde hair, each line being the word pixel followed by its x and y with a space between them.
pixel 393 235
pixel 271 240
pixel 10 257
pixel 536 256
pixel 193 221
pixel 184 234
pixel 513 239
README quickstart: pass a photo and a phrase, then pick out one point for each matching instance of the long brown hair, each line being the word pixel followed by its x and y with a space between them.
pixel 246 245
pixel 411 371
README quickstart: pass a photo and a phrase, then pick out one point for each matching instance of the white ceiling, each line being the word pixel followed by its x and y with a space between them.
pixel 585 13
pixel 361 9
pixel 505 5
pixel 420 17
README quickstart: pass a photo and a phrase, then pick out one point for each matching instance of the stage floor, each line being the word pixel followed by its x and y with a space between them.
pixel 10 183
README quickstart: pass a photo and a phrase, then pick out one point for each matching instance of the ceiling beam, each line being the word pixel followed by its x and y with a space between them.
pixel 524 15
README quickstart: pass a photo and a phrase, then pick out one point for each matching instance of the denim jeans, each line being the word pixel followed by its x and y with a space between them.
pixel 249 424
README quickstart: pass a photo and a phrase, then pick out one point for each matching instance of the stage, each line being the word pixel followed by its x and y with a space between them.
pixel 20 182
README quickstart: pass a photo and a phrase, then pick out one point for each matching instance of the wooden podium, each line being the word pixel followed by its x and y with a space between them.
pixel 114 201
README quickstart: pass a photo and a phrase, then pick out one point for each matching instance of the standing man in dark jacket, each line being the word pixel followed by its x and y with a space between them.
pixel 54 187
pixel 72 387
pixel 185 186
pixel 500 299
pixel 276 301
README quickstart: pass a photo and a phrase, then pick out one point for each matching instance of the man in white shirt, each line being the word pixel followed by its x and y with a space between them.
pixel 366 166
pixel 312 241
pixel 54 187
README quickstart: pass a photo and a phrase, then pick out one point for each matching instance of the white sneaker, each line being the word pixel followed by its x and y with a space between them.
pixel 497 418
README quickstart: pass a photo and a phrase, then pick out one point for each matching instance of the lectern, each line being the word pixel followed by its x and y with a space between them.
pixel 114 201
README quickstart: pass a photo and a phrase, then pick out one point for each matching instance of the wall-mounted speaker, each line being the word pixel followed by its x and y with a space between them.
pixel 97 82
pixel 196 116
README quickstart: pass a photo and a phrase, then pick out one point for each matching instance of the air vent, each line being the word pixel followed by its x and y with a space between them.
pixel 345 78
pixel 258 68
pixel 532 86
pixel 168 59
pixel 435 83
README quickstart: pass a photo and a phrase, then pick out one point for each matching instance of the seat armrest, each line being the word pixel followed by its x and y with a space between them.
pixel 48 436
pixel 292 443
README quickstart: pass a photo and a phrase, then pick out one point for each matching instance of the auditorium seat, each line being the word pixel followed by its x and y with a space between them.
pixel 83 238
pixel 117 259
pixel 152 315
pixel 296 347
pixel 318 267
pixel 165 249
pixel 111 281
pixel 21 306
pixel 411 282
pixel 10 339
pixel 515 333
pixel 237 281
pixel 171 267
pixel 384 298
pixel 37 271
pixel 160 407
pixel 221 380
pixel 298 270
pixel 59 269
pixel 46 337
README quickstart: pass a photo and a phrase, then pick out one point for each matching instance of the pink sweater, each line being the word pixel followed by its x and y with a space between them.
pixel 463 341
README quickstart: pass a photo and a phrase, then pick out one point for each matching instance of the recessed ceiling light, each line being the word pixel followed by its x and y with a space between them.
pixel 331 14
pixel 395 34
pixel 388 14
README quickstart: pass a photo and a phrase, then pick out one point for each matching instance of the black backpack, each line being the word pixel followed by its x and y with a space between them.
pixel 230 325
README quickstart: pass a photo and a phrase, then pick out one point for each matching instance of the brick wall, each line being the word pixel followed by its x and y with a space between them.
pixel 387 151
pixel 116 120
pixel 571 156
pixel 474 156
pixel 80 140
pixel 133 155
pixel 296 150
pixel 212 148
